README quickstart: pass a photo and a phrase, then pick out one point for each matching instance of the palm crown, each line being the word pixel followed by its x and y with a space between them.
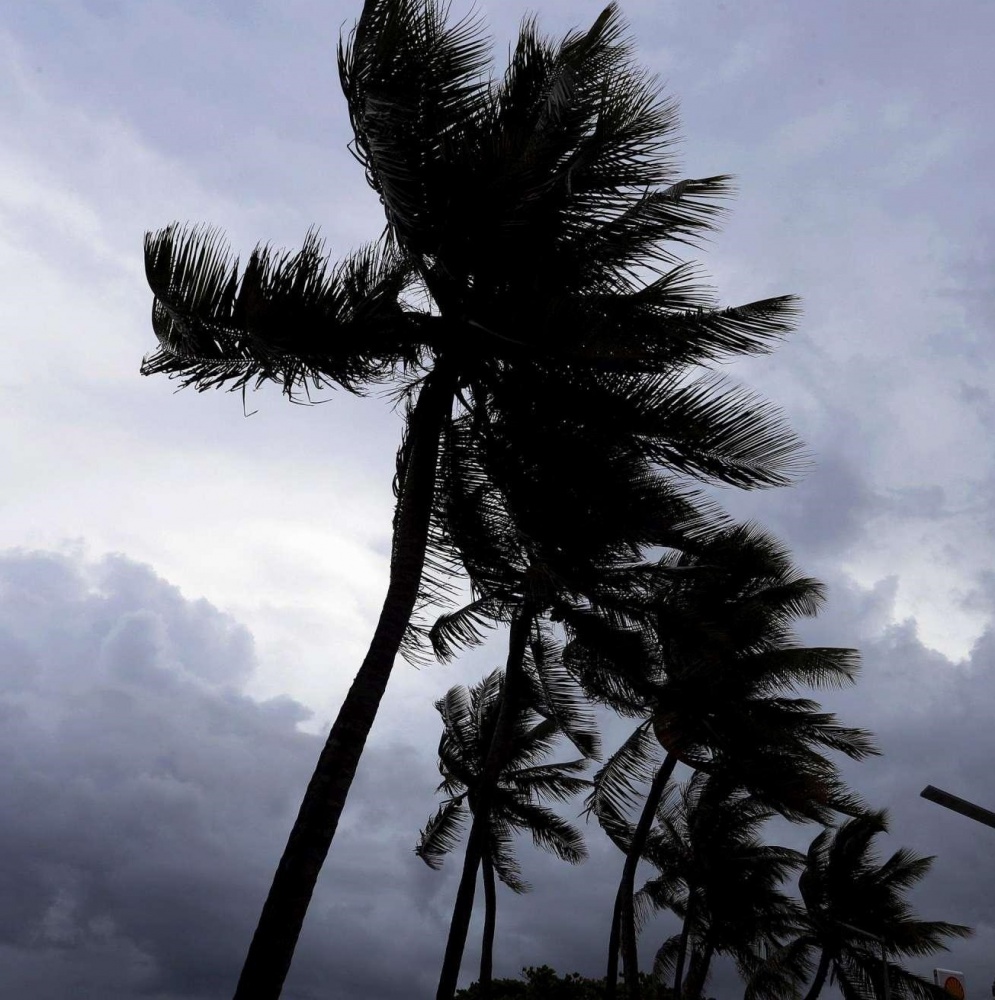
pixel 847 890
pixel 469 717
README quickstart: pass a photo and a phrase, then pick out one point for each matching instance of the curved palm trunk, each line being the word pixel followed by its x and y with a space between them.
pixel 275 938
pixel 820 976
pixel 496 755
pixel 699 973
pixel 623 929
pixel 682 948
pixel 490 918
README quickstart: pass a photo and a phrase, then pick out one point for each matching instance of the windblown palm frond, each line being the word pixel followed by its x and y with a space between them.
pixel 417 90
pixel 556 696
pixel 616 789
pixel 443 832
pixel 289 318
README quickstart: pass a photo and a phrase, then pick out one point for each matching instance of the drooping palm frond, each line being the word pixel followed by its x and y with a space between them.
pixel 797 721
pixel 714 430
pixel 616 785
pixel 459 731
pixel 556 696
pixel 463 628
pixel 501 844
pixel 442 832
pixel 781 972
pixel 665 959
pixel 549 832
pixel 289 318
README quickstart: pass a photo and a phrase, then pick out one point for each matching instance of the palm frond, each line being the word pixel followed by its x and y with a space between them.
pixel 501 844
pixel 711 429
pixel 464 628
pixel 442 833
pixel 616 785
pixel 417 89
pixel 551 781
pixel 549 832
pixel 782 972
pixel 458 723
pixel 289 318
pixel 557 697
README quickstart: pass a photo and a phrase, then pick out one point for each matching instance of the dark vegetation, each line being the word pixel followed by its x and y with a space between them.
pixel 553 353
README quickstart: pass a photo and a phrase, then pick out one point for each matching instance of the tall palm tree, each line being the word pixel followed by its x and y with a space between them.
pixel 469 718
pixel 846 889
pixel 720 876
pixel 533 218
pixel 711 683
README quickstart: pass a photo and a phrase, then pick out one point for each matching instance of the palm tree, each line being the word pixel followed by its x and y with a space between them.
pixel 469 718
pixel 720 876
pixel 846 890
pixel 524 215
pixel 712 680
pixel 573 542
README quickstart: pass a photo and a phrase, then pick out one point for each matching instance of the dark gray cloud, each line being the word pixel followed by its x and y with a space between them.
pixel 148 799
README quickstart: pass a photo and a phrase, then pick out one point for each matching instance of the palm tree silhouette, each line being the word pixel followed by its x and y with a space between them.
pixel 547 532
pixel 720 876
pixel 532 218
pixel 711 680
pixel 846 890
pixel 469 719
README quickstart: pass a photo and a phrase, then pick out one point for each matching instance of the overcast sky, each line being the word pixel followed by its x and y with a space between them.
pixel 185 592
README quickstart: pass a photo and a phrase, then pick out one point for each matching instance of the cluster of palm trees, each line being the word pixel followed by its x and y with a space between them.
pixel 553 356
pixel 708 663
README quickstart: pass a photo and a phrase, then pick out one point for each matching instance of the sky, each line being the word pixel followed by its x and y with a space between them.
pixel 187 590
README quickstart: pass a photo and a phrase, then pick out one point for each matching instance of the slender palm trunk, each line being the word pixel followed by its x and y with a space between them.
pixel 682 948
pixel 496 755
pixel 490 917
pixel 623 930
pixel 820 976
pixel 275 938
pixel 699 972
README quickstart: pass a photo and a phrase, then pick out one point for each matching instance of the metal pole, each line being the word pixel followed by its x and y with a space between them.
pixel 978 813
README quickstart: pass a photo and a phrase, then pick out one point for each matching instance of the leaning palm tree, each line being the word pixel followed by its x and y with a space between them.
pixel 849 894
pixel 711 681
pixel 720 876
pixel 528 252
pixel 543 534
pixel 516 804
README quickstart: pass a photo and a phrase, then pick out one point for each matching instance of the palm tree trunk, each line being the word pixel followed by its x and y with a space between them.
pixel 682 948
pixel 820 976
pixel 623 917
pixel 490 917
pixel 275 938
pixel 699 973
pixel 496 755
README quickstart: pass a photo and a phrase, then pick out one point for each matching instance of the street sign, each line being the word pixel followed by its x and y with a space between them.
pixel 952 982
